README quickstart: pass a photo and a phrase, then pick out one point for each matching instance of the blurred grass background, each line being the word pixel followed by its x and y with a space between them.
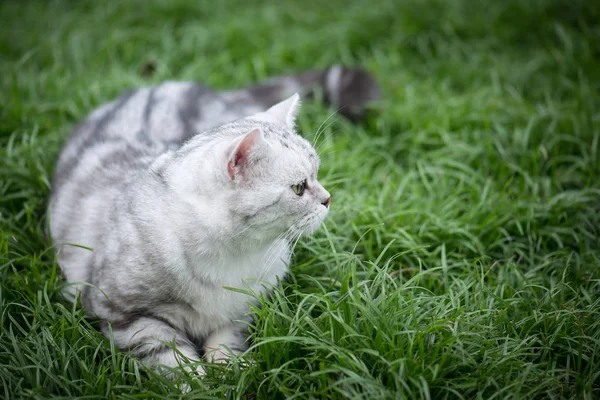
pixel 461 258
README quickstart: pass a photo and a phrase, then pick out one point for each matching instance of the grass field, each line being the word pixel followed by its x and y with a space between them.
pixel 461 258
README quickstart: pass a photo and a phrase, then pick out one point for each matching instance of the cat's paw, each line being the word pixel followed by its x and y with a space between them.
pixel 351 90
pixel 193 371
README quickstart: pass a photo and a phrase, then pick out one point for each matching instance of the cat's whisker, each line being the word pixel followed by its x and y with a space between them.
pixel 296 242
pixel 328 152
pixel 320 129
pixel 320 144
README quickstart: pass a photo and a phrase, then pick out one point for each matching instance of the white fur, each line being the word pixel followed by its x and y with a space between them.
pixel 196 231
pixel 230 254
pixel 284 112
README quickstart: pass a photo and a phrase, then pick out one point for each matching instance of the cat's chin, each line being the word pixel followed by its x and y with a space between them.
pixel 311 230
pixel 312 225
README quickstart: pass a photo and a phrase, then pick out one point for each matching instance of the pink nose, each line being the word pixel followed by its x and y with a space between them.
pixel 326 202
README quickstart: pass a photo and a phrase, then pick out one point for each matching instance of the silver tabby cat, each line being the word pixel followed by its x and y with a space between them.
pixel 167 196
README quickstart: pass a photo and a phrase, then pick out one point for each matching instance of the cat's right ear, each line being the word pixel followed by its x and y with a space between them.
pixel 284 112
pixel 243 152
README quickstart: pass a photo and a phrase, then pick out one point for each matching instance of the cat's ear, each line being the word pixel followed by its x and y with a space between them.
pixel 284 112
pixel 243 151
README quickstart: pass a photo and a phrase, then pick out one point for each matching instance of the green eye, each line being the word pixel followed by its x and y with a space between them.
pixel 299 188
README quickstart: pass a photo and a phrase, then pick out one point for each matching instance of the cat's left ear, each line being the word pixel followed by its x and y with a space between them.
pixel 284 112
pixel 244 151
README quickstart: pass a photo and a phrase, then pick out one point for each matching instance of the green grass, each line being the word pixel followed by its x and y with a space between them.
pixel 461 258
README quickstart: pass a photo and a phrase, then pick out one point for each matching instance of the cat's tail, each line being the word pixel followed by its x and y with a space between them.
pixel 351 91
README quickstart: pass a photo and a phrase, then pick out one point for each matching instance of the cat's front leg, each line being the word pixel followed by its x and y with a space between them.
pixel 220 344
pixel 153 340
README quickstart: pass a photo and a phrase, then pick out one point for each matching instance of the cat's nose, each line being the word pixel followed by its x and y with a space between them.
pixel 326 202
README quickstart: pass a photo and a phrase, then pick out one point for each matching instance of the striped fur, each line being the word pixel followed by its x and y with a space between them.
pixel 181 191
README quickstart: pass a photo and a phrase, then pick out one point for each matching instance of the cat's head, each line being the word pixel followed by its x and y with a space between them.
pixel 254 178
pixel 272 175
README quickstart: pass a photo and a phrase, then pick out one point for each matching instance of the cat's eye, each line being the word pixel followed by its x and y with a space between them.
pixel 299 188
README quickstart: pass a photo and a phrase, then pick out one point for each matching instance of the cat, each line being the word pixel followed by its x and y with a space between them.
pixel 167 196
